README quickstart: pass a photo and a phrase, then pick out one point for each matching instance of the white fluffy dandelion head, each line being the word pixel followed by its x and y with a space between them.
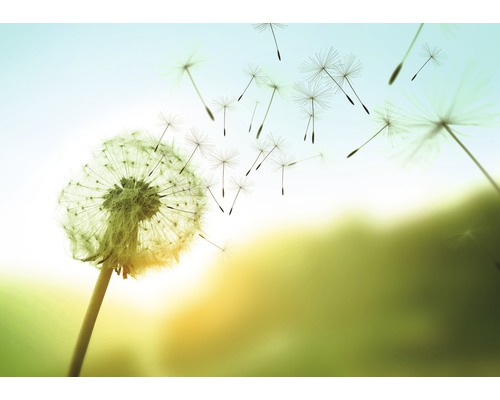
pixel 130 209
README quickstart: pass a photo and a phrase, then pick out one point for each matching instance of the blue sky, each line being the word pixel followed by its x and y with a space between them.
pixel 67 87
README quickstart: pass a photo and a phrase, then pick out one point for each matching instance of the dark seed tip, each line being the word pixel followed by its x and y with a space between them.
pixel 352 153
pixel 366 109
pixel 210 113
pixel 414 76
pixel 259 131
pixel 395 73
pixel 348 98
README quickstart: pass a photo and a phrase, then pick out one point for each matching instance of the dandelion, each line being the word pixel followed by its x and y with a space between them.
pixel 275 88
pixel 240 185
pixel 272 27
pixel 390 124
pixel 253 115
pixel 276 145
pixel 167 122
pixel 319 155
pixel 283 162
pixel 348 70
pixel 466 105
pixel 311 95
pixel 186 67
pixel 199 142
pixel 203 236
pixel 120 217
pixel 432 54
pixel 223 160
pixel 400 65
pixel 223 104
pixel 324 66
pixel 261 148
pixel 209 184
pixel 255 76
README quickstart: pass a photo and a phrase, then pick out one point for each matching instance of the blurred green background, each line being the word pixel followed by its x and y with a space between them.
pixel 416 297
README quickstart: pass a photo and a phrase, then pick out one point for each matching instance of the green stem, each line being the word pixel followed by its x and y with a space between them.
pixel 488 176
pixel 89 321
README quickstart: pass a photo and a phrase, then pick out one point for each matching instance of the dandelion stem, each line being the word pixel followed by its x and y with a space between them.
pixel 189 159
pixel 258 156
pixel 267 155
pixel 398 68
pixel 225 121
pixel 478 164
pixel 275 42
pixel 304 159
pixel 253 115
pixel 234 201
pixel 248 85
pixel 312 115
pixel 210 191
pixel 365 143
pixel 223 179
pixel 307 126
pixel 199 95
pixel 414 76
pixel 339 85
pixel 212 243
pixel 89 321
pixel 161 137
pixel 355 94
pixel 267 111
pixel 282 180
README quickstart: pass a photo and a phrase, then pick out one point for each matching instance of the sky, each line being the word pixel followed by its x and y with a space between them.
pixel 66 87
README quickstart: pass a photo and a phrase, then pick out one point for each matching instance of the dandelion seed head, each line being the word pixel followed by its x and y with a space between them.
pixel 434 53
pixel 228 158
pixel 265 26
pixel 321 64
pixel 168 121
pixel 119 214
pixel 224 103
pixel 197 140
pixel 312 92
pixel 349 68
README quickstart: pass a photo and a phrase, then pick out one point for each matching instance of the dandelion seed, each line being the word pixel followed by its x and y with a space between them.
pixel 323 65
pixel 319 155
pixel 276 145
pixel 272 27
pixel 432 54
pixel 400 65
pixel 261 148
pixel 390 124
pixel 283 162
pixel 275 88
pixel 185 67
pixel 167 122
pixel 240 185
pixel 223 104
pixel 212 243
pixel 209 183
pixel 253 115
pixel 255 76
pixel 199 142
pixel 348 70
pixel 310 95
pixel 223 160
pixel 119 217
pixel 466 105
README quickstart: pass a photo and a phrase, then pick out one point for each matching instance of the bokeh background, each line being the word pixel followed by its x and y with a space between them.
pixel 377 265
